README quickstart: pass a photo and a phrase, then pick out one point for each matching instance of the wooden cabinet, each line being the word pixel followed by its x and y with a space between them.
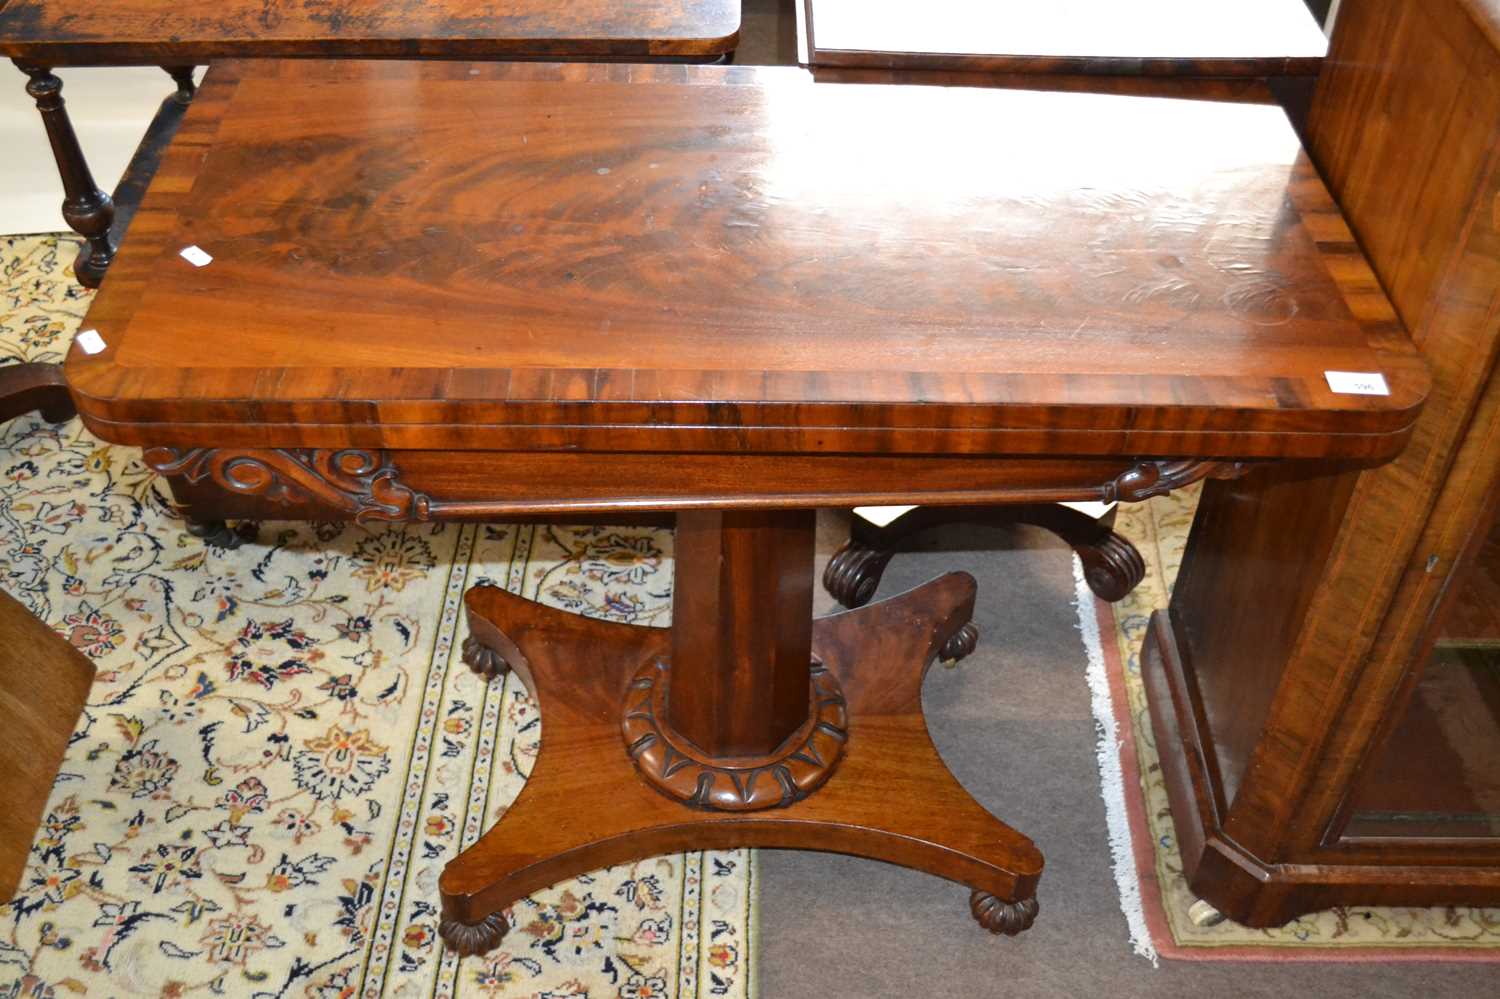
pixel 1333 736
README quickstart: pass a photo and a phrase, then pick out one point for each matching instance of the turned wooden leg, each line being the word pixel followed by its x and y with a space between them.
pixel 843 692
pixel 88 210
pixel 32 387
pixel 183 77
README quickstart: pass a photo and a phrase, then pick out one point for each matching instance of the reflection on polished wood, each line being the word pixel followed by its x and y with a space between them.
pixel 151 32
pixel 1156 37
pixel 453 291
pixel 569 270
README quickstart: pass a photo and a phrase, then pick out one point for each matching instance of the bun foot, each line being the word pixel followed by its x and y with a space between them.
pixel 217 534
pixel 468 939
pixel 1111 566
pixel 484 660
pixel 854 572
pixel 963 642
pixel 999 916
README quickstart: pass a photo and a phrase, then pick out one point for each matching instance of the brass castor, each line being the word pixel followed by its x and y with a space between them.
pixel 999 916
pixel 468 939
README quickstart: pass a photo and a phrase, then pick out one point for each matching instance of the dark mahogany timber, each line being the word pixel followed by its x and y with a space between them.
pixel 1272 718
pixel 1229 38
pixel 739 717
pixel 40 35
pixel 34 387
pixel 584 807
pixel 447 291
pixel 1246 250
pixel 152 33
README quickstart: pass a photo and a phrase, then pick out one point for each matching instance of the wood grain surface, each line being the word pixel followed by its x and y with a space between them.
pixel 157 32
pixel 1271 718
pixel 583 806
pixel 44 682
pixel 710 258
pixel 1153 37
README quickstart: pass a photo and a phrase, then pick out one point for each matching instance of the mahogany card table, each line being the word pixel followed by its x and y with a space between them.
pixel 409 292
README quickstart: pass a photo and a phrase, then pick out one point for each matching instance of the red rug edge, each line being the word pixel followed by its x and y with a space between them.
pixel 1145 857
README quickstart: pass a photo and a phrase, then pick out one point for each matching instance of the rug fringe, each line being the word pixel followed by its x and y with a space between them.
pixel 1111 778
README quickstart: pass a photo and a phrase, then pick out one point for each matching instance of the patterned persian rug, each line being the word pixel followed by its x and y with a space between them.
pixel 1160 528
pixel 282 748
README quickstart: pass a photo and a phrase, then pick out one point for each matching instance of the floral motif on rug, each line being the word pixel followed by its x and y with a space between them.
pixel 282 748
pixel 1160 529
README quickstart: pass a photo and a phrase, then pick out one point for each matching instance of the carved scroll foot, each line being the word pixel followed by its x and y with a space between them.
pixel 963 643
pixel 467 939
pixel 34 387
pixel 483 660
pixel 1111 566
pixel 580 671
pixel 1002 917
pixel 853 574
pixel 218 534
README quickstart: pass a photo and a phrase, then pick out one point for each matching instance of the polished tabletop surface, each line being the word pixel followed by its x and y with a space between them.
pixel 505 246
pixel 71 32
pixel 1200 37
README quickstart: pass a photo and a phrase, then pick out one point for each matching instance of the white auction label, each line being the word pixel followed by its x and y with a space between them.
pixel 90 341
pixel 195 256
pixel 1357 382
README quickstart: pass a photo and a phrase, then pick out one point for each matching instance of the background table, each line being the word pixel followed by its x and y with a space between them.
pixel 469 291
pixel 1176 38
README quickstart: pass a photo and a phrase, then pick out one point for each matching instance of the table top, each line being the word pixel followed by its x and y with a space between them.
pixel 1158 37
pixel 678 257
pixel 119 32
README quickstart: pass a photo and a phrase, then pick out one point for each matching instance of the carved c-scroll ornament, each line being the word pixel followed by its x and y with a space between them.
pixel 363 484
pixel 1157 478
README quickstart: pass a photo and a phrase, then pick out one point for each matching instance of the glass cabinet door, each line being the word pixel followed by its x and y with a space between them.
pixel 1438 773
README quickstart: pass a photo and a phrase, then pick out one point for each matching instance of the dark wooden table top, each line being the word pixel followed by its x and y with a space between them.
pixel 1165 37
pixel 118 32
pixel 518 256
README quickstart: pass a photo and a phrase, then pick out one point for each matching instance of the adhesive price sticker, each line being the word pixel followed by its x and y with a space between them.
pixel 1357 382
